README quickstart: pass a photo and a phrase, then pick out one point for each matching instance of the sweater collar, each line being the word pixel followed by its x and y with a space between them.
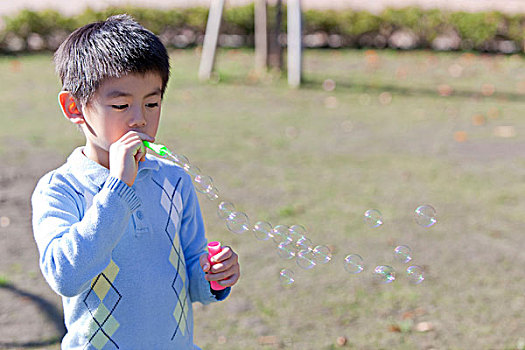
pixel 96 175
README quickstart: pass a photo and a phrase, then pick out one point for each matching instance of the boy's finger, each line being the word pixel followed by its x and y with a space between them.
pixel 140 149
pixel 223 272
pixel 219 267
pixel 230 281
pixel 219 276
pixel 224 254
pixel 140 153
pixel 203 260
pixel 224 265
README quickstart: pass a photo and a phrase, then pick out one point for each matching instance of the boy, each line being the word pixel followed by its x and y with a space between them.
pixel 120 233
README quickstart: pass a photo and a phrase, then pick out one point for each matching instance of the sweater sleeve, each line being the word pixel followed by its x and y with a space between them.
pixel 75 248
pixel 194 243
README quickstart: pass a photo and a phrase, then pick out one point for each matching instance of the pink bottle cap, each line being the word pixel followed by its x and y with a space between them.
pixel 214 248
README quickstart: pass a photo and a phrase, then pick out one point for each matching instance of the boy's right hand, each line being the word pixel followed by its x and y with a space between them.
pixel 125 154
pixel 226 269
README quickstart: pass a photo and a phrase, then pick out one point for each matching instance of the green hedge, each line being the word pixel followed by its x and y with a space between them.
pixel 477 27
pixel 43 30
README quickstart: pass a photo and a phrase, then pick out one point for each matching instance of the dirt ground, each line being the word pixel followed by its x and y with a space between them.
pixel 30 313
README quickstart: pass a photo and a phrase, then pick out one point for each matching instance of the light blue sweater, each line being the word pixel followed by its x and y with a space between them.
pixel 124 259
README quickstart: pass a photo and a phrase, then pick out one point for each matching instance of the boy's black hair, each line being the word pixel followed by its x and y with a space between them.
pixel 108 49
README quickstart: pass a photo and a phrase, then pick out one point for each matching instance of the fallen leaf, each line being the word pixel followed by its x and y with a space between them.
pixel 505 131
pixel 445 90
pixel 394 328
pixel 221 339
pixel 493 113
pixel 408 315
pixel 329 85
pixel 4 221
pixel 331 102
pixel 341 341
pixel 478 120
pixel 268 340
pixel 460 136
pixel 424 327
pixel 420 311
pixel 488 89
pixel 385 98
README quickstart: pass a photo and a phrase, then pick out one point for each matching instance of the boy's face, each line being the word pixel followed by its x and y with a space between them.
pixel 120 105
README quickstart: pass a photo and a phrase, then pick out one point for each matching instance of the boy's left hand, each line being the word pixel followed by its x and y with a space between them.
pixel 226 271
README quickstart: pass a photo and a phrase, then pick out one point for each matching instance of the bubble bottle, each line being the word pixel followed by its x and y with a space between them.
pixel 213 249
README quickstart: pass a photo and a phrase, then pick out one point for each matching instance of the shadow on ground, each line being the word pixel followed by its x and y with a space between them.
pixel 314 84
pixel 47 309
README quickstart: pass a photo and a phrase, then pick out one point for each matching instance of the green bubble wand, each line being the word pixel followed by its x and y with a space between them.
pixel 203 183
pixel 159 149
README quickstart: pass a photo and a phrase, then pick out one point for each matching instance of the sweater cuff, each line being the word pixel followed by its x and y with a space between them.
pixel 220 295
pixel 123 191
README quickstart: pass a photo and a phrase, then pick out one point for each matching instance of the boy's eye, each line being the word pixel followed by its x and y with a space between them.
pixel 119 107
pixel 152 105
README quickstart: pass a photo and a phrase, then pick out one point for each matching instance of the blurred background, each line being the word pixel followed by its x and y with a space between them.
pixel 372 6
pixel 401 104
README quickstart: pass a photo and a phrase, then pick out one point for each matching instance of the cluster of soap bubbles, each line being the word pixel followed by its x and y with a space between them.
pixel 292 241
pixel 387 274
pixel 425 216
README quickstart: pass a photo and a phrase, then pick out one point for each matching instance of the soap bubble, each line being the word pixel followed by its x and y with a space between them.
pixel 180 160
pixel 262 230
pixel 203 183
pixel 297 232
pixel 385 274
pixel 225 209
pixel 425 215
pixel 286 249
pixel 415 274
pixel 305 259
pixel 354 263
pixel 280 233
pixel 286 277
pixel 322 254
pixel 373 218
pixel 192 170
pixel 238 222
pixel 303 243
pixel 402 254
pixel 213 194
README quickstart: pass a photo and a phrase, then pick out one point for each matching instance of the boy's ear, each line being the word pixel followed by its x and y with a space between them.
pixel 70 107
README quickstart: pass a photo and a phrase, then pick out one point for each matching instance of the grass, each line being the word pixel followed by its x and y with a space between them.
pixel 4 281
pixel 384 138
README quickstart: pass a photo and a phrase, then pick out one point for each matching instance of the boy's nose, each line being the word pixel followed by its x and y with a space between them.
pixel 138 118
